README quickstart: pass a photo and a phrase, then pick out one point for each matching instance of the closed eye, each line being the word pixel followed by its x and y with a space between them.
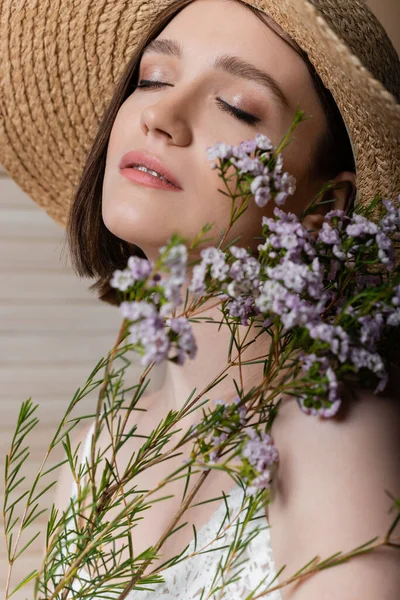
pixel 239 114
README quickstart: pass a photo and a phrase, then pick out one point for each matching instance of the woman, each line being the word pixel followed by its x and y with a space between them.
pixel 195 104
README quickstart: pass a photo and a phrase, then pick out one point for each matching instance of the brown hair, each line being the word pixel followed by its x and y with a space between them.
pixel 94 250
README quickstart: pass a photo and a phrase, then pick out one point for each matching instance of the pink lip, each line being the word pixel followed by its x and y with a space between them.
pixel 151 162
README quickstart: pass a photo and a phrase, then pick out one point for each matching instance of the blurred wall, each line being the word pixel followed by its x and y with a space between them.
pixel 388 12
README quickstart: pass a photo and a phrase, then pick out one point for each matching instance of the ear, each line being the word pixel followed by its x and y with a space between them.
pixel 341 197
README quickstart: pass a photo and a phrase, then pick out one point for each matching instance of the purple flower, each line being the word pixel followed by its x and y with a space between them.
pixel 390 222
pixel 299 277
pixel 262 196
pixel 338 252
pixel 140 267
pixel 186 341
pixel 362 358
pixel 263 142
pixel 292 310
pixel 239 152
pixel 371 329
pixel 137 310
pixel 328 235
pixel 252 166
pixel 175 258
pixel 262 454
pixel 323 411
pixel 216 259
pixel 334 335
pixel 213 259
pixel 245 270
pixel 258 182
pixel 396 296
pixel 287 233
pixel 242 308
pixel 393 319
pixel 360 226
pixel 122 280
pixel 197 284
pixel 286 184
pixel 220 150
pixel 278 165
pixel 308 402
pixel 248 146
pixel 150 333
pixel 386 251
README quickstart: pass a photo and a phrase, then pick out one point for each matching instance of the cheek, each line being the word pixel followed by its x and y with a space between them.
pixel 297 162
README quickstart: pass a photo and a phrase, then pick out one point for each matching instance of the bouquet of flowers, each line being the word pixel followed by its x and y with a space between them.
pixel 327 304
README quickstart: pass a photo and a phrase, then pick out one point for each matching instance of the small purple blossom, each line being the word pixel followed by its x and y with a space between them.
pixel 242 308
pixel 133 311
pixel 299 277
pixel 244 272
pixel 323 411
pixel 262 454
pixel 393 319
pixel 334 335
pixel 151 334
pixel 308 402
pixel 361 227
pixel 259 182
pixel 396 296
pixel 252 166
pixel 391 221
pixel 175 259
pixel 197 284
pixel 140 267
pixel 287 233
pixel 263 142
pixel 371 329
pixel 214 260
pixel 262 196
pixel 274 298
pixel 328 235
pixel 220 150
pixel 239 152
pixel 286 184
pixel 186 341
pixel 122 280
pixel 249 146
pixel 385 250
pixel 363 358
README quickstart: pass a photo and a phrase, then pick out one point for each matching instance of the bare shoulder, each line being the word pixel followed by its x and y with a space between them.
pixel 330 495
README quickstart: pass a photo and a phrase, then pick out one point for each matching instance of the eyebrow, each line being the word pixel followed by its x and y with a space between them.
pixel 230 64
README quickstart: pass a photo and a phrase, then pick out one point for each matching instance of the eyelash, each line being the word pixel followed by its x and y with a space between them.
pixel 236 112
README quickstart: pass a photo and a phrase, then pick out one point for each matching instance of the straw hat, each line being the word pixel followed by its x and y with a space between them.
pixel 60 62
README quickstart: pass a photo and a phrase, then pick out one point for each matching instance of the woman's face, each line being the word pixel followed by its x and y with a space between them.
pixel 178 122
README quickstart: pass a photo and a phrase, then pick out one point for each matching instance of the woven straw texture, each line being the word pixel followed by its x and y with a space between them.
pixel 61 60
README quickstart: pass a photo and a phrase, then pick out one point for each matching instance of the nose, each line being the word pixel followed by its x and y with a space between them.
pixel 167 118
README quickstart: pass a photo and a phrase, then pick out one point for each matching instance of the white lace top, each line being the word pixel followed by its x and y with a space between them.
pixel 187 579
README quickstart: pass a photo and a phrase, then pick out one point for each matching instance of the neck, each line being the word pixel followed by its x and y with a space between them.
pixel 212 361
